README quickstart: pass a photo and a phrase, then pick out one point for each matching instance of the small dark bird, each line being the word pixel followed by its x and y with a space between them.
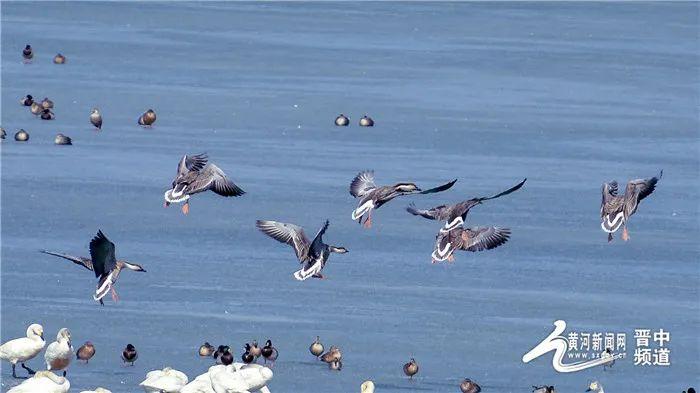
pixel 206 350
pixel 469 386
pixel 342 120
pixel 28 100
pixel 269 353
pixel 85 352
pixel 148 118
pixel 27 53
pixel 366 121
pixel 96 118
pixel 46 103
pixel 410 368
pixel 226 357
pixel 316 348
pixel 255 350
pixel 47 115
pixel 129 355
pixel 247 357
pixel 219 352
pixel 59 59
pixel 22 136
pixel 63 140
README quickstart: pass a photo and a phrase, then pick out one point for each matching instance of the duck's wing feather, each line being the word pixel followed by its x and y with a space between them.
pixel 84 262
pixel 290 234
pixel 102 254
pixel 213 178
pixel 441 188
pixel 192 163
pixel 317 243
pixel 506 192
pixel 609 192
pixel 437 213
pixel 643 187
pixel 362 183
pixel 483 238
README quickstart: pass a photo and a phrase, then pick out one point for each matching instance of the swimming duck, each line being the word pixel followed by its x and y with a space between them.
pixel 543 389
pixel 595 387
pixel 44 382
pixel 455 215
pixel 615 210
pixel 97 390
pixel 36 108
pixel 195 175
pixel 22 136
pixel 167 380
pixel 269 352
pixel 22 349
pixel 103 263
pixel 468 386
pixel 312 255
pixel 206 350
pixel 85 352
pixel 410 368
pixel 247 357
pixel 129 354
pixel 59 59
pixel 27 53
pixel 96 118
pixel 366 121
pixel 367 387
pixel 468 239
pixel 373 197
pixel 316 348
pixel 46 114
pixel 28 100
pixel 63 140
pixel 60 352
pixel 342 120
pixel 147 118
pixel 255 350
pixel 46 103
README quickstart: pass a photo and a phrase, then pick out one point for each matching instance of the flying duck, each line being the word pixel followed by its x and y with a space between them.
pixel 85 352
pixel 22 349
pixel 27 53
pixel 60 352
pixel 269 352
pixel 312 255
pixel 469 386
pixel 455 215
pixel 410 368
pixel 28 100
pixel 147 118
pixel 96 118
pixel 615 210
pixel 195 175
pixel 468 239
pixel 373 196
pixel 59 59
pixel 342 120
pixel 316 348
pixel 104 263
pixel 129 354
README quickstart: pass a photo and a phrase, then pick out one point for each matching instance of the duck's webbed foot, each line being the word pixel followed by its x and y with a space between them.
pixel 115 297
pixel 625 234
pixel 368 220
pixel 186 208
pixel 451 258
pixel 320 277
pixel 29 370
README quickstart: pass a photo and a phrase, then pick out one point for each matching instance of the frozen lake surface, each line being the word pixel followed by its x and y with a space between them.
pixel 567 95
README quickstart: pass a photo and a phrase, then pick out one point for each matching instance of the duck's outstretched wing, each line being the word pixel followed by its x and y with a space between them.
pixel 84 262
pixel 213 178
pixel 483 238
pixel 290 234
pixel 643 187
pixel 192 163
pixel 437 213
pixel 506 192
pixel 609 192
pixel 102 254
pixel 441 188
pixel 362 184
pixel 317 243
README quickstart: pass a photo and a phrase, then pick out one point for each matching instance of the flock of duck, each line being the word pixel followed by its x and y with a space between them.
pixel 194 175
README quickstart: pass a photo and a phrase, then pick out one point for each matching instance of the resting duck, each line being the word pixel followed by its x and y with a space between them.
pixel 410 368
pixel 206 350
pixel 312 255
pixel 455 215
pixel 22 349
pixel 22 136
pixel 60 352
pixel 195 175
pixel 59 59
pixel 269 352
pixel 85 352
pixel 46 103
pixel 46 114
pixel 316 348
pixel 333 358
pixel 615 210
pixel 103 263
pixel 255 350
pixel 373 196
pixel 36 108
pixel 468 239
pixel 247 357
pixel 44 382
pixel 147 118
pixel 27 53
pixel 63 140
pixel 220 352
pixel 469 386
pixel 129 354
pixel 342 120
pixel 28 100
pixel 366 121
pixel 96 118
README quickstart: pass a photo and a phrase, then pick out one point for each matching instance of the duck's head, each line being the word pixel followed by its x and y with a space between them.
pixel 130 347
pixel 406 187
pixel 35 330
pixel 28 47
pixel 268 343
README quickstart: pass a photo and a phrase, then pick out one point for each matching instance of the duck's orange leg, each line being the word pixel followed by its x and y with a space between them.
pixel 115 297
pixel 625 234
pixel 186 208
pixel 368 221
pixel 451 258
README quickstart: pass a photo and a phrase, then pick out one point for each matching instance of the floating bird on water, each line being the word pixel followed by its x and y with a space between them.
pixel 28 100
pixel 43 382
pixel 594 387
pixel 543 389
pixel 373 196
pixel 129 354
pixel 59 59
pixel 410 368
pixel 195 175
pixel 615 210
pixel 312 255
pixel 85 352
pixel 342 120
pixel 468 239
pixel 27 53
pixel 96 118
pixel 63 140
pixel 60 352
pixel 22 136
pixel 316 348
pixel 367 387
pixel 104 263
pixel 469 386
pixel 366 121
pixel 269 352
pixel 46 103
pixel 36 108
pixel 147 118
pixel 206 350
pixel 22 349
pixel 46 114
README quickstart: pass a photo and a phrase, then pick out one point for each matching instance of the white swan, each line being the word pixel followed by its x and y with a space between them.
pixel 595 387
pixel 22 349
pixel 234 378
pixel 60 352
pixel 367 387
pixel 42 382
pixel 97 390
pixel 201 384
pixel 167 380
